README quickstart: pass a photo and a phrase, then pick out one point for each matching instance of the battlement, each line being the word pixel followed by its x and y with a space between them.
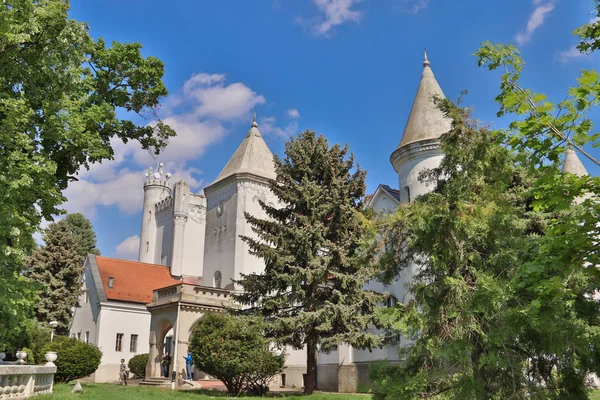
pixel 197 199
pixel 164 204
pixel 156 182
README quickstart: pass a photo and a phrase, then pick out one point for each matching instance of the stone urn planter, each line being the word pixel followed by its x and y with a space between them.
pixel 50 356
pixel 21 355
pixel 2 356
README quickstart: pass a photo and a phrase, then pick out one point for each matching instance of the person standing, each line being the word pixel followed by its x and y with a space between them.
pixel 188 365
pixel 123 372
pixel 165 364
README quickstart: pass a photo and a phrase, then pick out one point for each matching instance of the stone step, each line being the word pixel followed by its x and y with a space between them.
pixel 156 382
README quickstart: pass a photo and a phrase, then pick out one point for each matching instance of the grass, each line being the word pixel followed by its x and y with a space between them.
pixel 100 391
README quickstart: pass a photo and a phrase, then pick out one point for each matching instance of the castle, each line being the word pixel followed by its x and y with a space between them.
pixel 190 251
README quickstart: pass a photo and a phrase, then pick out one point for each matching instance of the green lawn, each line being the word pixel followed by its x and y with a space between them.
pixel 116 392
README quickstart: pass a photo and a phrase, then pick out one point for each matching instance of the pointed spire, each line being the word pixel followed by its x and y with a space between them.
pixel 253 156
pixel 425 121
pixel 573 164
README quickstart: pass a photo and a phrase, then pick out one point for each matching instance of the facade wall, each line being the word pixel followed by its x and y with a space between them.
pixel 155 191
pixel 408 174
pixel 220 238
pixel 164 236
pixel 249 194
pixel 194 237
pixel 128 319
pixel 84 317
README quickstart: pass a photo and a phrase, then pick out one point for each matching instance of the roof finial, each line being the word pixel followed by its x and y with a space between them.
pixel 254 123
pixel 426 61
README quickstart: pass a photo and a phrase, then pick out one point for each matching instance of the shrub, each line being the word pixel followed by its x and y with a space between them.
pixel 30 357
pixel 137 365
pixel 76 359
pixel 234 350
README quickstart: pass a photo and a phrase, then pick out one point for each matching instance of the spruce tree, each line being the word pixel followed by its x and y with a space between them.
pixel 57 269
pixel 502 301
pixel 83 232
pixel 311 292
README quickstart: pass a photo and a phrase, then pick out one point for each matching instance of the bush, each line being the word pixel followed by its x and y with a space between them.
pixel 234 350
pixel 30 357
pixel 76 359
pixel 137 365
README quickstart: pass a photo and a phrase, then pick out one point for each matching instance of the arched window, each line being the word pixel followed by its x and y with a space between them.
pixel 218 279
pixel 407 194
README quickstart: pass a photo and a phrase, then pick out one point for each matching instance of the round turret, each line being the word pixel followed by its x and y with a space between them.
pixel 156 189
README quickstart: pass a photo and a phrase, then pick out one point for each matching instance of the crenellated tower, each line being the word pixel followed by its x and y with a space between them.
pixel 156 189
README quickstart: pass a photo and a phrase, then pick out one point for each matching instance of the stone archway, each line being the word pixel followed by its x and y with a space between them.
pixel 159 333
pixel 180 306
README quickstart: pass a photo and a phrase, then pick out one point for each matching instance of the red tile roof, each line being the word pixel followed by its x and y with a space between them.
pixel 133 281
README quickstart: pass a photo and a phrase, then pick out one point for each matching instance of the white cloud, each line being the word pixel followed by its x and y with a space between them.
pixel 413 6
pixel 334 13
pixel 573 53
pixel 220 101
pixel 268 127
pixel 293 113
pixel 536 20
pixel 128 248
pixel 125 191
pixel 197 112
pixel 570 54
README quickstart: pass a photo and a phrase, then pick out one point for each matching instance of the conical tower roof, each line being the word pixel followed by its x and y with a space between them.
pixel 253 156
pixel 573 164
pixel 425 121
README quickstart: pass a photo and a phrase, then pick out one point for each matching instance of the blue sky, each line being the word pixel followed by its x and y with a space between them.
pixel 345 68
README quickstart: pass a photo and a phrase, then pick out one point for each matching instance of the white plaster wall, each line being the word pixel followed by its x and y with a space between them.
pixel 323 358
pixel 383 202
pixel 195 228
pixel 408 174
pixel 220 240
pixel 154 192
pixel 164 236
pixel 249 194
pixel 126 318
pixel 295 357
pixel 84 315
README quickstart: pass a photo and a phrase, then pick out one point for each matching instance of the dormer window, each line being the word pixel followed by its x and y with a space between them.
pixel 111 282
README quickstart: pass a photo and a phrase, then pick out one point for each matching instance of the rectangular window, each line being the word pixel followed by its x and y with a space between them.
pixel 87 337
pixel 119 342
pixel 133 344
pixel 78 335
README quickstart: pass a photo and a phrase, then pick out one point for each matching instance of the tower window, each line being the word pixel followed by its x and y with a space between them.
pixel 218 279
pixel 147 246
pixel 407 193
pixel 149 215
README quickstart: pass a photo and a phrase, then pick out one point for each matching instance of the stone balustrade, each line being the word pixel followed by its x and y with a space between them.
pixel 19 381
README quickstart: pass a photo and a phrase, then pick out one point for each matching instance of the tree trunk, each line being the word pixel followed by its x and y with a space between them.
pixel 311 353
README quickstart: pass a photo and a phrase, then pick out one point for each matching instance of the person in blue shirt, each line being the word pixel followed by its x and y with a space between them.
pixel 188 364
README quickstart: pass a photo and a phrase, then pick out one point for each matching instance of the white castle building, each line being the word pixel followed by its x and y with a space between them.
pixel 190 251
